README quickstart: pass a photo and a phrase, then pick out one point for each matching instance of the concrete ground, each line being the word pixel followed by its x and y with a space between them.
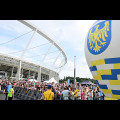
pixel 2 96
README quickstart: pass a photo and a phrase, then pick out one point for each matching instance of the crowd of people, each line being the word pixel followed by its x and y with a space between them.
pixel 53 91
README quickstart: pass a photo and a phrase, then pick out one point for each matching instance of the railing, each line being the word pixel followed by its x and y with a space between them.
pixel 27 94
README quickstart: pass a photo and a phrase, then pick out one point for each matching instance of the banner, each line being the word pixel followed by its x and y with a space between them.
pixel 68 81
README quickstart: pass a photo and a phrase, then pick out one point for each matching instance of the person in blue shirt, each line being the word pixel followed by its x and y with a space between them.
pixel 7 88
pixel 93 87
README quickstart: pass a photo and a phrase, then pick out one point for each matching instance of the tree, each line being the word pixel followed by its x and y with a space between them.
pixel 78 79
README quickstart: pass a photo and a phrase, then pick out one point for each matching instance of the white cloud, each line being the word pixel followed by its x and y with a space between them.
pixel 58 62
pixel 13 26
pixel 82 69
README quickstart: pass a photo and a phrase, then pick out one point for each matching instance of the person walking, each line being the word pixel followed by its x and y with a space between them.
pixel 48 95
pixel 11 93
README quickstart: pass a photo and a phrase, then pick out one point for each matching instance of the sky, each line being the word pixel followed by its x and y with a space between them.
pixel 70 35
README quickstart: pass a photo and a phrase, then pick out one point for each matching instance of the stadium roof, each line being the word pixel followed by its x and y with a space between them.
pixel 23 40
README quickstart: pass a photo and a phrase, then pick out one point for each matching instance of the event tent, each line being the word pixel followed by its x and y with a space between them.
pixel 51 80
pixel 46 81
pixel 32 80
pixel 87 82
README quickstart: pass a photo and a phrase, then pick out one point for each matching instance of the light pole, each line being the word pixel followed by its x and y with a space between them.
pixel 74 71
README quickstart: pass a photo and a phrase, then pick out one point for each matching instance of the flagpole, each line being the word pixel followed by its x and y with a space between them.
pixel 74 71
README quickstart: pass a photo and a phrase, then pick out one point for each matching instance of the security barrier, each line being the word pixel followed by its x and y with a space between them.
pixel 26 94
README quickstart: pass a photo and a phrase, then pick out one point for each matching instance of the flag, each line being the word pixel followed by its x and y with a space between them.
pixel 68 81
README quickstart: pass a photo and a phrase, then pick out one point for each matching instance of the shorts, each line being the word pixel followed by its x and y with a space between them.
pixel 10 98
pixel 65 98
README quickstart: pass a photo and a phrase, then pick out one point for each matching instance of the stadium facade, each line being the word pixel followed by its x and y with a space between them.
pixel 20 68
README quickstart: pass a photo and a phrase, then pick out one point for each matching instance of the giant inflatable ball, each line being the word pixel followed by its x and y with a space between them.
pixel 102 51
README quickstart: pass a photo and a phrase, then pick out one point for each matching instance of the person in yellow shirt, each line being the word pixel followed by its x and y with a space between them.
pixel 11 93
pixel 48 95
pixel 76 93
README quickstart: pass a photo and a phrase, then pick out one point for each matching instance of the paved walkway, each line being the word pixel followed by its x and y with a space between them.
pixel 2 96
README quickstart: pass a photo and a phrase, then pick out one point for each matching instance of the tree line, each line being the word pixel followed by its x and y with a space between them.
pixel 78 79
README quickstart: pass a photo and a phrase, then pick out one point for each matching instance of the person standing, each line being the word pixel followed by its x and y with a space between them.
pixel 94 94
pixel 65 94
pixel 93 87
pixel 79 94
pixel 101 96
pixel 48 95
pixel 76 92
pixel 82 94
pixel 90 94
pixel 0 85
pixel 7 88
pixel 71 94
pixel 11 93
pixel 85 94
pixel 97 95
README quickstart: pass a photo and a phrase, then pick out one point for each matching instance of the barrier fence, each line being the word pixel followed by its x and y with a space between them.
pixel 27 94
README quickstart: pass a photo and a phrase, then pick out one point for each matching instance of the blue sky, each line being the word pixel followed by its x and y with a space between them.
pixel 68 34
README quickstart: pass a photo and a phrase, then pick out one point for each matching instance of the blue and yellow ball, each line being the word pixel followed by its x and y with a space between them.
pixel 102 51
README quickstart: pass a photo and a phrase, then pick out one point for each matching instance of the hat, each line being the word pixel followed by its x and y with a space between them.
pixel 49 86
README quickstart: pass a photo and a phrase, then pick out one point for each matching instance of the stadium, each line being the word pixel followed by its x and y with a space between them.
pixel 27 52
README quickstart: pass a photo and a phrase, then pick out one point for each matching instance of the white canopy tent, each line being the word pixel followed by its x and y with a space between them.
pixel 51 80
pixel 33 80
pixel 46 81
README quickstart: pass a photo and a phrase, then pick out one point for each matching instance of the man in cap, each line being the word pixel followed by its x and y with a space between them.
pixel 48 95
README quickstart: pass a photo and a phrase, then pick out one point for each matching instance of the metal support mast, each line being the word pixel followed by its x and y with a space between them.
pixel 74 71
